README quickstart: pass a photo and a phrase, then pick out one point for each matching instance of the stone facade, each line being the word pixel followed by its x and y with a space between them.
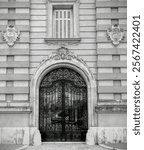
pixel 33 52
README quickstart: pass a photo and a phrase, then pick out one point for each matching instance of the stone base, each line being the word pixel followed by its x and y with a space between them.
pixel 91 136
pixel 95 135
pixel 107 134
pixel 14 135
pixel 36 138
pixel 19 135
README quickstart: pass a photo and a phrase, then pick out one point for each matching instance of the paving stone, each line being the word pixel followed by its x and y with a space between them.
pixel 11 147
pixel 65 146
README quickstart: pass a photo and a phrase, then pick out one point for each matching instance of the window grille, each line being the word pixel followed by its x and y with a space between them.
pixel 63 23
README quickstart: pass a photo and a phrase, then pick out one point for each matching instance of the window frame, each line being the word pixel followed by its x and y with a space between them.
pixel 51 4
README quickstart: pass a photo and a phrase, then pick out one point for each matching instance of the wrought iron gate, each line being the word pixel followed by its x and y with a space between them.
pixel 63 106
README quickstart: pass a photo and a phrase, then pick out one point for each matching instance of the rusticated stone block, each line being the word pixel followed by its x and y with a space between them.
pixel 12 135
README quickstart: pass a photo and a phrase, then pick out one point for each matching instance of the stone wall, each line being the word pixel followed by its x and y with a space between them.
pixel 14 135
pixel 112 59
pixel 18 63
pixel 111 69
pixel 40 49
pixel 14 60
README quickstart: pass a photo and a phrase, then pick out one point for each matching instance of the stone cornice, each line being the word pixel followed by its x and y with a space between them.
pixel 110 108
pixel 63 41
pixel 21 110
pixel 59 1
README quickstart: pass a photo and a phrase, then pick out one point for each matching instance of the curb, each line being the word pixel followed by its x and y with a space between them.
pixel 22 148
pixel 109 147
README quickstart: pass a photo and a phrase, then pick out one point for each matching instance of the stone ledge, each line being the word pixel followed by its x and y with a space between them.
pixel 15 110
pixel 111 108
pixel 63 41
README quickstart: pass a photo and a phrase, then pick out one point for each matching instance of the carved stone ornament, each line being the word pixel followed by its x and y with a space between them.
pixel 64 54
pixel 10 35
pixel 115 34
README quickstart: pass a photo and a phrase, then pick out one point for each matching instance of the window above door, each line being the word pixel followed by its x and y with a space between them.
pixel 63 22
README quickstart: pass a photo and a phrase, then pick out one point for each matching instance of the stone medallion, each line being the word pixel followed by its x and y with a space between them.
pixel 10 35
pixel 115 34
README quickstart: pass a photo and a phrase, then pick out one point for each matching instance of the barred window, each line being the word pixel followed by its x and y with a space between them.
pixel 63 23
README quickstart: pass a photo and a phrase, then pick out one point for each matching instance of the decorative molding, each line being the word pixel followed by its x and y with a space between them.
pixel 10 35
pixel 15 110
pixel 15 16
pixel 14 4
pixel 63 41
pixel 59 1
pixel 110 108
pixel 115 34
pixel 63 54
pixel 106 4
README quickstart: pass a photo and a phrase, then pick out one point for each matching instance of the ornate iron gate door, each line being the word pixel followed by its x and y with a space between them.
pixel 63 106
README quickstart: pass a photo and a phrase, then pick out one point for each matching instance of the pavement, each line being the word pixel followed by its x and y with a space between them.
pixel 65 146
pixel 115 146
pixel 12 147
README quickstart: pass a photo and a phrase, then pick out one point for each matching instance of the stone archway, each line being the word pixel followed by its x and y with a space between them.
pixel 62 58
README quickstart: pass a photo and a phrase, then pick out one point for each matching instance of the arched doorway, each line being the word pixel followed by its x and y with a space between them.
pixel 63 111
pixel 63 58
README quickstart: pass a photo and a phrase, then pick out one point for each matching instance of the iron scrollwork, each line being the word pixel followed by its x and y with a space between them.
pixel 63 106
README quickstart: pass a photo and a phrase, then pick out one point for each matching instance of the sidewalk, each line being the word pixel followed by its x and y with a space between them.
pixel 65 146
pixel 115 146
pixel 12 147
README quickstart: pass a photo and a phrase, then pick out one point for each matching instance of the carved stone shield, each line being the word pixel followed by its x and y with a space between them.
pixel 10 35
pixel 115 34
